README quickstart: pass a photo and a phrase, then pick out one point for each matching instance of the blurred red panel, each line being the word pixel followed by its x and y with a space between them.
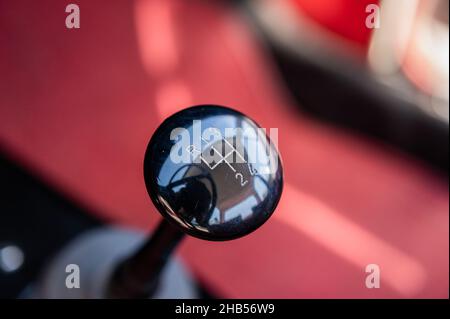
pixel 345 18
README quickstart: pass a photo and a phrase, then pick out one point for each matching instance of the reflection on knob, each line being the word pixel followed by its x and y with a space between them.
pixel 213 173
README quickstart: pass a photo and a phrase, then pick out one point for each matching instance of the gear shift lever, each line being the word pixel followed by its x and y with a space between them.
pixel 212 173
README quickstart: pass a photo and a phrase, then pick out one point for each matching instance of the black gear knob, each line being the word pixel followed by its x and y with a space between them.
pixel 213 172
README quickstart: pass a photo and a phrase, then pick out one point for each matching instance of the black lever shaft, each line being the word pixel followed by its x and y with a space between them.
pixel 137 276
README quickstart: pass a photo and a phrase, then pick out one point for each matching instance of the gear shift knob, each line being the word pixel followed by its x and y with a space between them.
pixel 213 172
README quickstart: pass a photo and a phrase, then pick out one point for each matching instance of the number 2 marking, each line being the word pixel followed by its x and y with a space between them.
pixel 239 176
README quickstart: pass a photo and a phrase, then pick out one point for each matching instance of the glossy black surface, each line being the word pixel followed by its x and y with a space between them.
pixel 219 183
